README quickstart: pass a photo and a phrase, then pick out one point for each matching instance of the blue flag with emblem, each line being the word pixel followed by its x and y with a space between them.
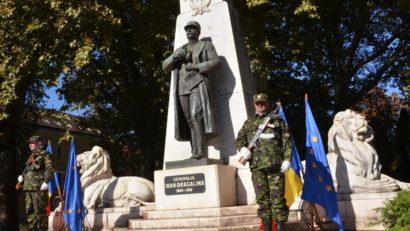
pixel 74 209
pixel 318 184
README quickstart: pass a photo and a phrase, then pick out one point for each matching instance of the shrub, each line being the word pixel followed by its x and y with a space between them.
pixel 396 214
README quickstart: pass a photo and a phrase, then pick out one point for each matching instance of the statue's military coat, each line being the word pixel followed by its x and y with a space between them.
pixel 206 58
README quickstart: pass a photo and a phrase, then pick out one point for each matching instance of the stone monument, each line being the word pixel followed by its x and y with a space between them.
pixel 218 179
pixel 356 172
pixel 353 161
pixel 101 189
pixel 110 201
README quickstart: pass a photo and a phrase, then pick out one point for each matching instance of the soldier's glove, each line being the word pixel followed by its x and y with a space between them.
pixel 20 179
pixel 44 186
pixel 245 153
pixel 285 166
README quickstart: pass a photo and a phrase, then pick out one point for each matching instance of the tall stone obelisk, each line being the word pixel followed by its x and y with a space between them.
pixel 232 86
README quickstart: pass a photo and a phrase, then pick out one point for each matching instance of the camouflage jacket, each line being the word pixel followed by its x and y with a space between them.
pixel 40 171
pixel 270 152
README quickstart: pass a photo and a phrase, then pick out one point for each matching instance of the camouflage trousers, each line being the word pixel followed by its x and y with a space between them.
pixel 36 203
pixel 269 187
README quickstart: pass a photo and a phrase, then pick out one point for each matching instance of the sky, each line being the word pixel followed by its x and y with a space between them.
pixel 55 103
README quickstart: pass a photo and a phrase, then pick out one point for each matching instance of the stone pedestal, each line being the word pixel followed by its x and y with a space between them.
pixel 358 210
pixel 191 163
pixel 195 187
pixel 99 219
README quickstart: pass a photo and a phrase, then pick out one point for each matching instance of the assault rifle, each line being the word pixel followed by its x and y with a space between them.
pixel 261 127
pixel 29 161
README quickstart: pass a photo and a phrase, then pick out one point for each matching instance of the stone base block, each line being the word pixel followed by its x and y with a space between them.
pixel 191 163
pixel 98 219
pixel 244 187
pixel 195 187
pixel 358 210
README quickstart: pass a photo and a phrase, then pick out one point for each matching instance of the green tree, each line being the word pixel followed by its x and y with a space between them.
pixel 336 51
pixel 42 40
pixel 123 87
pixel 387 117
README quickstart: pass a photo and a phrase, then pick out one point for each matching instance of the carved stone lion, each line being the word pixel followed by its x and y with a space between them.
pixel 352 159
pixel 101 189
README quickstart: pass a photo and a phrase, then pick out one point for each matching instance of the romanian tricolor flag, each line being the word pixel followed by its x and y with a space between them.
pixel 52 184
pixel 293 182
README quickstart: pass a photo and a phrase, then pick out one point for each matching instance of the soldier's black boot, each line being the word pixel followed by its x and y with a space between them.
pixel 279 226
pixel 267 226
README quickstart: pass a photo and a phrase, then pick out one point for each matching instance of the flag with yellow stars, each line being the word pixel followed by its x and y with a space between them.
pixel 73 208
pixel 318 184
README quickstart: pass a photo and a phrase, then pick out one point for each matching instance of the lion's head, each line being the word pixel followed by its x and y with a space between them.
pixel 94 165
pixel 351 125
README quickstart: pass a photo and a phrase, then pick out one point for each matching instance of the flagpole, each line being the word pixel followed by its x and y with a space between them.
pixel 65 223
pixel 314 213
pixel 62 203
pixel 312 206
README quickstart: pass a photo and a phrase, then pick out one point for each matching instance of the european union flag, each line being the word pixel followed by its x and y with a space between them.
pixel 318 186
pixel 293 182
pixel 74 209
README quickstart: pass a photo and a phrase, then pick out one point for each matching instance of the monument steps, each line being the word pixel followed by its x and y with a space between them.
pixel 196 222
pixel 236 228
pixel 151 214
pixel 207 219
pixel 240 218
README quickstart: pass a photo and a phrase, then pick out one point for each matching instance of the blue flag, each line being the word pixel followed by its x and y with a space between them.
pixel 74 209
pixel 318 186
pixel 53 184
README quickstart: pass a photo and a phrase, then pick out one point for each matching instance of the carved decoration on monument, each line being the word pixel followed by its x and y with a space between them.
pixel 353 161
pixel 101 189
pixel 199 6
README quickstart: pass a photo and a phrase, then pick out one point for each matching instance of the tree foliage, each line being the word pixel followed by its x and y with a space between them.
pixel 336 51
pixel 107 56
pixel 121 85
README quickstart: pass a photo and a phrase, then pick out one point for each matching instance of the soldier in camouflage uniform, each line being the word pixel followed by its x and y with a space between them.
pixel 35 186
pixel 268 161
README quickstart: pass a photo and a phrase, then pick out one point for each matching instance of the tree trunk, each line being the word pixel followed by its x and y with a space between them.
pixel 9 131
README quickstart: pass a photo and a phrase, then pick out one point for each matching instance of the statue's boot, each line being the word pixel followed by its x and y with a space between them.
pixel 198 140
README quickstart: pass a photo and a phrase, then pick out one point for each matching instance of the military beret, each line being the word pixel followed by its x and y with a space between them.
pixel 261 97
pixel 34 139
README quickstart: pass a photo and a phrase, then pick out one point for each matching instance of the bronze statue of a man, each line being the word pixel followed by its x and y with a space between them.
pixel 192 65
